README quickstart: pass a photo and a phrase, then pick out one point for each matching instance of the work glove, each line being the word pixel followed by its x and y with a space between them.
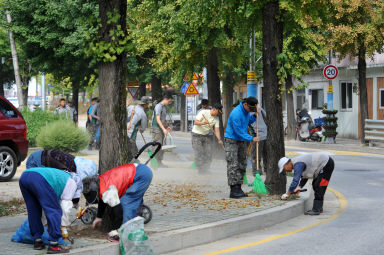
pixel 64 232
pixel 284 196
pixel 297 190
pixel 96 222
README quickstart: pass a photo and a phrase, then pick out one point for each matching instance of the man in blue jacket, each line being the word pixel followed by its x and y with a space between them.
pixel 236 140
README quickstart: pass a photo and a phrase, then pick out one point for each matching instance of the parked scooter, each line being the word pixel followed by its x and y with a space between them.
pixel 307 130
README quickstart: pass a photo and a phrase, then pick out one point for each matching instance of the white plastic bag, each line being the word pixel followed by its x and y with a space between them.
pixel 133 240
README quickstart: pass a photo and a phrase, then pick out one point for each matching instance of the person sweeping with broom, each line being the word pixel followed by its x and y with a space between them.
pixel 317 166
pixel 236 140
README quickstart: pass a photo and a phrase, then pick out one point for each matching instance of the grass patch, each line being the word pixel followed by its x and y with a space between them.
pixel 12 207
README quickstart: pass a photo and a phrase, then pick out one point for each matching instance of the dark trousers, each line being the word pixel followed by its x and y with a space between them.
pixel 320 184
pixel 38 196
pixel 236 157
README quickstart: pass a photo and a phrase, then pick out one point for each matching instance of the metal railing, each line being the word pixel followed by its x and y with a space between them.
pixel 374 131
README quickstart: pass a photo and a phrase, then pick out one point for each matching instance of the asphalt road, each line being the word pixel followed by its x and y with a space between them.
pixel 357 230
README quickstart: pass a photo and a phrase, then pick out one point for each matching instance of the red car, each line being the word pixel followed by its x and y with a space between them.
pixel 13 139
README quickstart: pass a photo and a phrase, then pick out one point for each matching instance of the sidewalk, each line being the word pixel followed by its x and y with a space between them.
pixel 188 209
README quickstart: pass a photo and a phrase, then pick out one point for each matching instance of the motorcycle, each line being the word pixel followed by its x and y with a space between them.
pixel 306 130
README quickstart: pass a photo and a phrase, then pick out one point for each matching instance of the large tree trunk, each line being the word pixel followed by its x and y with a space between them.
pixel 213 80
pixel 15 63
pixel 214 94
pixel 228 102
pixel 272 46
pixel 114 149
pixel 183 128
pixel 143 89
pixel 362 67
pixel 291 122
pixel 75 100
pixel 2 90
pixel 25 82
pixel 156 88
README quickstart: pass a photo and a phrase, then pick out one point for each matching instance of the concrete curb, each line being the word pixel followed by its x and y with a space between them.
pixel 182 238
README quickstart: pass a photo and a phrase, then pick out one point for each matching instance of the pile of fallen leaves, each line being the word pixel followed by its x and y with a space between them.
pixel 12 207
pixel 196 197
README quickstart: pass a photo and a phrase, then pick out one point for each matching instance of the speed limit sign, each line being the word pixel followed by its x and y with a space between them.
pixel 330 72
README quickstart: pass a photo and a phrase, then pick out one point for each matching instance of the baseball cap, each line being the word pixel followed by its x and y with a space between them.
pixel 252 103
pixel 282 162
pixel 219 107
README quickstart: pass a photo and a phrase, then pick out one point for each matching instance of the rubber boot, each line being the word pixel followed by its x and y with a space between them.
pixel 316 209
pixel 237 192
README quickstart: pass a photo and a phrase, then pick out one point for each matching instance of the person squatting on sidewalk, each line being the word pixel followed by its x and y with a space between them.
pixel 236 140
pixel 317 166
pixel 201 139
pixel 123 189
pixel 137 121
pixel 52 191
pixel 159 125
pixel 260 130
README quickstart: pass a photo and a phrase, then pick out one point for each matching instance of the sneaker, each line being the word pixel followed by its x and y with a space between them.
pixel 114 239
pixel 38 244
pixel 56 249
pixel 312 212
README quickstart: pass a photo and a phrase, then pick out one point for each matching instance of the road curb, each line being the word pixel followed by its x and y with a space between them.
pixel 174 240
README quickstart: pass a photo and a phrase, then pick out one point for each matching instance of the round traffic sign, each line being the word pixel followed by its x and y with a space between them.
pixel 330 72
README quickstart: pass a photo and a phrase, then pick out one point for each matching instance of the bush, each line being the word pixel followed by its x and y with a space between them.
pixel 35 120
pixel 62 135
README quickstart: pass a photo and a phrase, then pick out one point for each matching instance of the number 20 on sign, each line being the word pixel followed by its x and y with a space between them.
pixel 330 72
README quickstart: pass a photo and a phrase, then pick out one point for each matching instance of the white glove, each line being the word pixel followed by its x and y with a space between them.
pixel 96 222
pixel 113 233
pixel 284 196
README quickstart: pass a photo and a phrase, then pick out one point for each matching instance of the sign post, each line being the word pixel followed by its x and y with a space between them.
pixel 330 72
pixel 190 91
pixel 251 84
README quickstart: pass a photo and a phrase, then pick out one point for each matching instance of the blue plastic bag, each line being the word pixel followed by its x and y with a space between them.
pixel 23 235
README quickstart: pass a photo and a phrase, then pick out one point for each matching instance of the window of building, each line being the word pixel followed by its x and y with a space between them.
pixel 317 98
pixel 300 98
pixel 381 99
pixel 346 95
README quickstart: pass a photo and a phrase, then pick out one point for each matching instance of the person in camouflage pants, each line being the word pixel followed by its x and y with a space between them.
pixel 236 141
pixel 236 156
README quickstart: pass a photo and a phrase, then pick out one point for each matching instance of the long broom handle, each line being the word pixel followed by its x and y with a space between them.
pixel 211 128
pixel 143 137
pixel 257 145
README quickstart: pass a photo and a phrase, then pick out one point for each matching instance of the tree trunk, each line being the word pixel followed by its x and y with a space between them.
pixel 228 103
pixel 213 80
pixel 362 67
pixel 15 63
pixel 83 97
pixel 291 121
pixel 183 128
pixel 25 82
pixel 272 46
pixel 75 100
pixel 2 90
pixel 113 133
pixel 143 89
pixel 156 88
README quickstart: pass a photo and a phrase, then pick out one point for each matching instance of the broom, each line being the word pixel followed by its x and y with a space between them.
pixel 154 163
pixel 245 179
pixel 258 185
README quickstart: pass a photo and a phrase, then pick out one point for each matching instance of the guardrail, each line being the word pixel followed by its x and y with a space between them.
pixel 374 131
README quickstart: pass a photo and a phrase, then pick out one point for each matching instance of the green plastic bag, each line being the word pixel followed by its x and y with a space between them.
pixel 133 240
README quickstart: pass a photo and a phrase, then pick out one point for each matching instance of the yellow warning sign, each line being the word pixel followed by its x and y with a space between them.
pixel 195 77
pixel 191 90
pixel 251 76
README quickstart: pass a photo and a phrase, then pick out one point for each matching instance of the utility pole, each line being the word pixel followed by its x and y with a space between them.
pixel 251 76
pixel 15 62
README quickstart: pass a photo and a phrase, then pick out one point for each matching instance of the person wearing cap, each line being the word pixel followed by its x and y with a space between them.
pixel 137 121
pixel 236 141
pixel 201 143
pixel 259 128
pixel 159 125
pixel 317 166
pixel 72 112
